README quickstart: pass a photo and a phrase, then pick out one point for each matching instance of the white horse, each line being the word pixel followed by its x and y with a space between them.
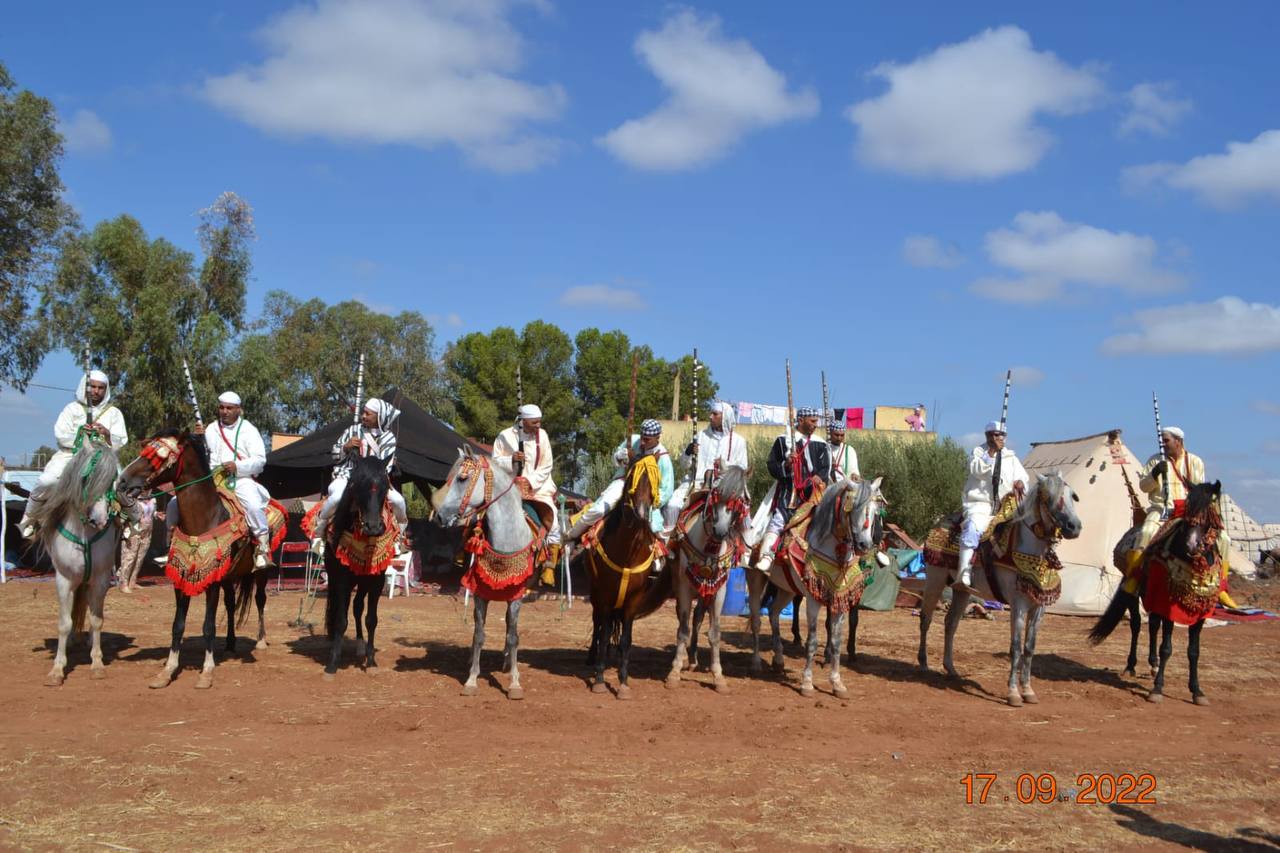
pixel 79 535
pixel 477 492
pixel 847 520
pixel 1047 512
pixel 707 546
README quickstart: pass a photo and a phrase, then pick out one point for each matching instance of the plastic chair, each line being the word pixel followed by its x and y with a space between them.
pixel 294 555
pixel 399 568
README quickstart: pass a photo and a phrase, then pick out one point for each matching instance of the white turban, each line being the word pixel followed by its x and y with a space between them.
pixel 726 410
pixel 386 412
pixel 529 411
pixel 83 388
pixel 231 398
pixel 1176 432
pixel 994 426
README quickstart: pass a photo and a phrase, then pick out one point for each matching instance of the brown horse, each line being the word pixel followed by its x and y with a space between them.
pixel 617 559
pixel 212 550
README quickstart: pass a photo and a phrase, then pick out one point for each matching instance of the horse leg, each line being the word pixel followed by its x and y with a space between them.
pixel 699 611
pixel 181 603
pixel 775 624
pixel 1153 628
pixel 373 596
pixel 340 594
pixel 357 612
pixel 934 579
pixel 1193 659
pixel 66 598
pixel 97 596
pixel 624 655
pixel 602 626
pixel 853 634
pixel 205 681
pixel 1166 652
pixel 229 599
pixel 512 654
pixel 834 637
pixel 795 619
pixel 959 602
pixel 477 645
pixel 1017 626
pixel 1029 652
pixel 812 608
pixel 713 639
pixel 755 590
pixel 1135 631
pixel 684 604
pixel 260 599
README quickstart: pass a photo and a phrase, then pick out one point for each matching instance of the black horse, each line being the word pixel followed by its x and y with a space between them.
pixel 359 510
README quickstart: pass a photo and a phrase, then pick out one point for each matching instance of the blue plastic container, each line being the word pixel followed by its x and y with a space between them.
pixel 736 601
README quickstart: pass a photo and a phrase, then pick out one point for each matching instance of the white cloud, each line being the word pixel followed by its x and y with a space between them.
pixel 969 111
pixel 1153 109
pixel 1267 407
pixel 1027 377
pixel 1246 171
pixel 603 295
pixel 85 133
pixel 1226 326
pixel 376 306
pixel 971 439
pixel 413 72
pixel 720 90
pixel 1045 253
pixel 921 250
pixel 1271 446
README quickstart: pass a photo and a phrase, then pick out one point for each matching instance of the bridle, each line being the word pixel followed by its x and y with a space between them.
pixel 475 470
pixel 842 528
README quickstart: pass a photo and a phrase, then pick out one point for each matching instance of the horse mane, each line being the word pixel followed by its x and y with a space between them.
pixel 197 442
pixel 87 477
pixel 823 517
pixel 1200 498
pixel 367 472
pixel 733 481
pixel 615 515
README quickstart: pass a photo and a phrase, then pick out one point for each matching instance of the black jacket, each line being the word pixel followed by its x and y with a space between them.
pixel 815 460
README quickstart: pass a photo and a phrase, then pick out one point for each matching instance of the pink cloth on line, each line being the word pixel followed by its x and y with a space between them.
pixel 853 418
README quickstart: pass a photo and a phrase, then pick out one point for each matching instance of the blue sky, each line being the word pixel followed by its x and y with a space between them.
pixel 912 203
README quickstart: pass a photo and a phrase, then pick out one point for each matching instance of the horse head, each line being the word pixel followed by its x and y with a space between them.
pixel 727 503
pixel 468 487
pixel 82 491
pixel 850 514
pixel 164 458
pixel 1201 521
pixel 364 496
pixel 1054 504
pixel 642 480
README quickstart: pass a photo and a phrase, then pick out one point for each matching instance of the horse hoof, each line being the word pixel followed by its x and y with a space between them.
pixel 722 687
pixel 359 647
pixel 372 669
pixel 1152 673
pixel 1015 700
pixel 54 679
pixel 599 687
pixel 161 680
pixel 468 690
pixel 1131 672
pixel 841 692
pixel 756 667
pixel 1155 698
pixel 205 681
pixel 98 673
pixel 672 682
pixel 1200 699
pixel 1030 698
pixel 515 693
pixel 806 690
pixel 779 667
pixel 624 692
pixel 261 644
pixel 951 672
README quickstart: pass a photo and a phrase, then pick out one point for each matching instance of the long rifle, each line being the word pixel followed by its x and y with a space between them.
pixel 826 410
pixel 355 412
pixel 191 392
pixel 697 446
pixel 1004 417
pixel 1164 478
pixel 791 411
pixel 631 408
pixel 518 467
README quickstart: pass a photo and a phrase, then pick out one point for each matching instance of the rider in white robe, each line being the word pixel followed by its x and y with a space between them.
pixel 92 411
pixel 527 446
pixel 978 504
pixel 844 459
pixel 371 437
pixel 712 450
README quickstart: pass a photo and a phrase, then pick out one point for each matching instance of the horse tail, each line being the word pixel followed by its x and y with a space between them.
pixel 1112 616
pixel 80 606
pixel 333 604
pixel 244 589
pixel 656 593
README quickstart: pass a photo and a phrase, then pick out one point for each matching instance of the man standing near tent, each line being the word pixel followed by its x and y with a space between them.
pixel 711 451
pixel 978 501
pixel 527 447
pixel 90 413
pixel 796 471
pixel 371 437
pixel 844 459
pixel 236 446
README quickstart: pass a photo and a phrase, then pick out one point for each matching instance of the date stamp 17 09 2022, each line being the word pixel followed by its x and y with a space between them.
pixel 1089 789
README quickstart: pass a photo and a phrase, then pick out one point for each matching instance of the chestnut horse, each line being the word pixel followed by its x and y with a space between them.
pixel 183 460
pixel 618 564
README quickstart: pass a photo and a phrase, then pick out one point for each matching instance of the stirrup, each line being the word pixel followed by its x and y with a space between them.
pixel 960 585
pixel 28 529
pixel 317 546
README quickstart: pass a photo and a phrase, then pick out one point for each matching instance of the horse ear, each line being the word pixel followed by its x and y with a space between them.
pixel 1217 487
pixel 875 484
pixel 1039 478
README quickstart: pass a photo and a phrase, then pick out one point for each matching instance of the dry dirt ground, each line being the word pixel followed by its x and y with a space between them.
pixel 276 758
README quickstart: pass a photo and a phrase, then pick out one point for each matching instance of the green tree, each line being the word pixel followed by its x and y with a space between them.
pixel 33 218
pixel 141 307
pixel 299 366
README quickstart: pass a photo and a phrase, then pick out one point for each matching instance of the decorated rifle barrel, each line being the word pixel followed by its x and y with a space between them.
pixel 191 392
pixel 1164 478
pixel 355 414
pixel 791 410
pixel 826 406
pixel 697 449
pixel 518 467
pixel 1004 417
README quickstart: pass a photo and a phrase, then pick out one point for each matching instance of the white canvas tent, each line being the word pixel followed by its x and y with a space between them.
pixel 1096 467
pixel 1248 537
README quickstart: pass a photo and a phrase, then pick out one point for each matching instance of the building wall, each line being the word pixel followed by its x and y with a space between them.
pixel 894 417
